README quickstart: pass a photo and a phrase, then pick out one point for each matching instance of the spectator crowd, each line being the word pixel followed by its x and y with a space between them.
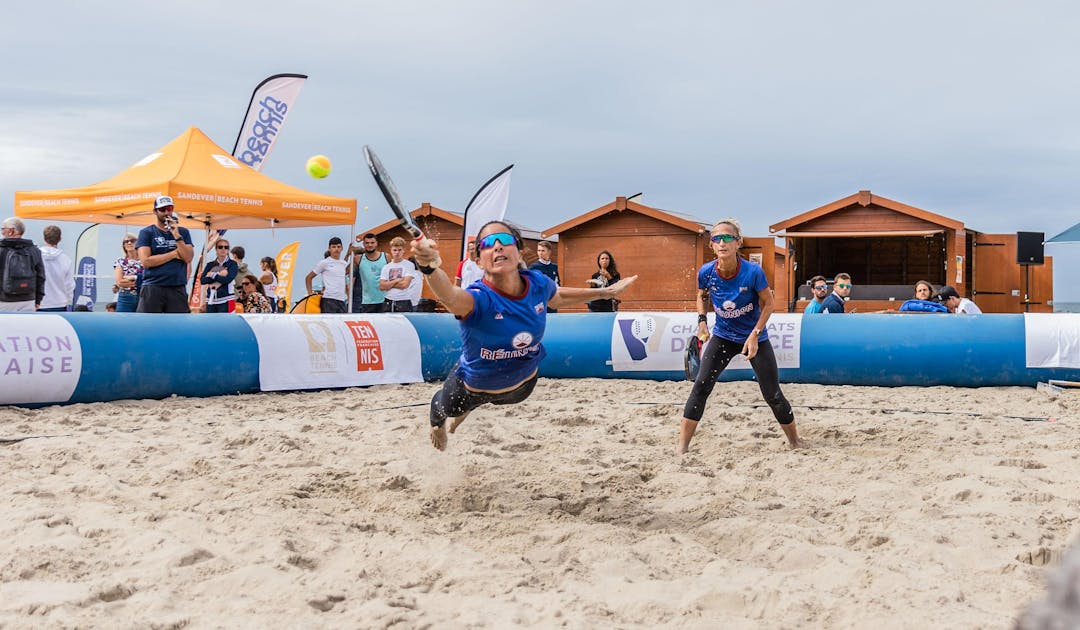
pixel 152 276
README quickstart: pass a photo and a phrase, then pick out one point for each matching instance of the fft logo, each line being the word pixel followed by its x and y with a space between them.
pixel 368 348
pixel 642 334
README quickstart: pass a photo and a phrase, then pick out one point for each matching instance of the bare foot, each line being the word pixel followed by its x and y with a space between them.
pixel 792 435
pixel 457 421
pixel 438 438
pixel 687 428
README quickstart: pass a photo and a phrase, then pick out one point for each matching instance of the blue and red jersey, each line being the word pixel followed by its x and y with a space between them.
pixel 735 300
pixel 501 337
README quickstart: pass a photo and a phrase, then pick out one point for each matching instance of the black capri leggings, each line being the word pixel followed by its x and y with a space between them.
pixel 454 399
pixel 718 353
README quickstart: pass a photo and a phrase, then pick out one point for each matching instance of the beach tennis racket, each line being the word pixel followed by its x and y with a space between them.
pixel 389 191
pixel 692 358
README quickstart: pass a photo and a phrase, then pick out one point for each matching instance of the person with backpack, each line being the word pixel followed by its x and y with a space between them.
pixel 22 273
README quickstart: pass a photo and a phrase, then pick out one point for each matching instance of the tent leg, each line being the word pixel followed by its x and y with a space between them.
pixel 352 270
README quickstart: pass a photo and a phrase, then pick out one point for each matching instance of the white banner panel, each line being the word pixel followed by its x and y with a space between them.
pixel 269 107
pixel 320 351
pixel 646 342
pixel 488 204
pixel 40 359
pixel 1052 340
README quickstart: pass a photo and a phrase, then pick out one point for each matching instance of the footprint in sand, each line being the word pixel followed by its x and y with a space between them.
pixel 1039 557
pixel 326 603
pixel 1026 464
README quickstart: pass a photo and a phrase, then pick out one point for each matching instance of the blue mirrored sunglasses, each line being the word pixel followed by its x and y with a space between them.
pixel 501 238
pixel 723 238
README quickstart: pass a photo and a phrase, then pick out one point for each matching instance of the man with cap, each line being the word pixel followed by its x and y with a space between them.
pixel 956 304
pixel 165 252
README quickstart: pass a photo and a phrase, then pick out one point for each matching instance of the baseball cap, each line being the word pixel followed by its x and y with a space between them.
pixel 163 201
pixel 947 292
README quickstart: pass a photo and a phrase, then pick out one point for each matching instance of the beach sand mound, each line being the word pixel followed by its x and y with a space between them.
pixel 331 509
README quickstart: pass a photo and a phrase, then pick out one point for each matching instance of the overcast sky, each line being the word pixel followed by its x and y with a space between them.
pixel 759 110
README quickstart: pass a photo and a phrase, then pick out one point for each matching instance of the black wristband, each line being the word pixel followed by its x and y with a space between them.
pixel 426 270
pixel 702 319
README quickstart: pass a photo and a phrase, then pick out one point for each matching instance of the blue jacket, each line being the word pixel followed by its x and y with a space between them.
pixel 923 306
pixel 209 276
pixel 832 304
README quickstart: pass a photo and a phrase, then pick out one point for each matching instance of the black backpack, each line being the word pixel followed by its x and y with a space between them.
pixel 19 278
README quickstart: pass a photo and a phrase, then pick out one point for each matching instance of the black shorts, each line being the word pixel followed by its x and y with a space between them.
pixel 154 298
pixel 454 399
pixel 330 305
pixel 398 306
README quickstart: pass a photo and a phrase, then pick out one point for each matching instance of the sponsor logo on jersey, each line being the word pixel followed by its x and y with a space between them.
pixel 522 340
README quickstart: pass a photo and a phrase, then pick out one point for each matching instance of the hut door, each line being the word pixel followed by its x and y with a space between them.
pixel 994 273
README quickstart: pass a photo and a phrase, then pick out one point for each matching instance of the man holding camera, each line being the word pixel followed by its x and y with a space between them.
pixel 165 252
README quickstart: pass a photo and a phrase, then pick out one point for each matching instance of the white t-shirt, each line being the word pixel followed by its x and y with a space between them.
pixel 333 275
pixel 393 271
pixel 270 290
pixel 416 288
pixel 470 273
pixel 968 307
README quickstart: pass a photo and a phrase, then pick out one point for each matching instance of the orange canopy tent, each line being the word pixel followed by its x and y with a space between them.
pixel 209 187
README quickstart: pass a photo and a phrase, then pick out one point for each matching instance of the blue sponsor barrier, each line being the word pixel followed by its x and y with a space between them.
pixel 131 356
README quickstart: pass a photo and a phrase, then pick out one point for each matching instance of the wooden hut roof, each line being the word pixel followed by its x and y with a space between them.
pixel 620 204
pixel 815 222
pixel 426 209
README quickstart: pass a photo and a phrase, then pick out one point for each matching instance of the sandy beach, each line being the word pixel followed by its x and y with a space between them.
pixel 331 509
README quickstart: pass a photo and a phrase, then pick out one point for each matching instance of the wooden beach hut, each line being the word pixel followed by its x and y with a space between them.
pixel 886 246
pixel 664 248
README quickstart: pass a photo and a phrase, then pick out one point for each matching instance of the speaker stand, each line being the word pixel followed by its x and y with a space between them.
pixel 1027 284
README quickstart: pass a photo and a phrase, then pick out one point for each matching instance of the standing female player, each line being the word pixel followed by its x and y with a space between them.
pixel 502 320
pixel 740 296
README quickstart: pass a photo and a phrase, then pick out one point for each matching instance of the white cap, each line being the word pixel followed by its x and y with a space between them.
pixel 162 201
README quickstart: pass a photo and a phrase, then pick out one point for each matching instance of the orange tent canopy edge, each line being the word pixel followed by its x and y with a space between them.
pixel 209 187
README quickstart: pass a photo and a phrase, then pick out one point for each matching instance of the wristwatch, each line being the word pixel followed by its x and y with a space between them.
pixel 426 270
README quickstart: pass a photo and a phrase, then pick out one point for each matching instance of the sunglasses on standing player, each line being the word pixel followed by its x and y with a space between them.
pixel 502 238
pixel 723 238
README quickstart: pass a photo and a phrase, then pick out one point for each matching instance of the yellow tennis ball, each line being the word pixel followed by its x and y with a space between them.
pixel 318 166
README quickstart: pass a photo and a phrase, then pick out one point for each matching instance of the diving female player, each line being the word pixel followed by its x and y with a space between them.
pixel 502 320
